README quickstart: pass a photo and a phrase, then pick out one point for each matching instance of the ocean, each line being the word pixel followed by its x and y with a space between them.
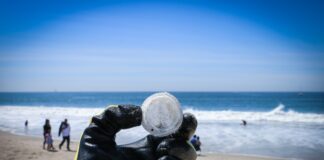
pixel 288 125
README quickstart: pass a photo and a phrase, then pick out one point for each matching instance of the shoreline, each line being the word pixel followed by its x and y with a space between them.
pixel 22 147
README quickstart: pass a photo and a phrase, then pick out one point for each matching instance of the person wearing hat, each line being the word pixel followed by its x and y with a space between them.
pixel 98 139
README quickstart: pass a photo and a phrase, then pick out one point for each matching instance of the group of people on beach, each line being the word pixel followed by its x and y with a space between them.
pixel 64 129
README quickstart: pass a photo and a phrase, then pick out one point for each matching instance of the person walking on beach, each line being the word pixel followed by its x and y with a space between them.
pixel 46 130
pixel 65 130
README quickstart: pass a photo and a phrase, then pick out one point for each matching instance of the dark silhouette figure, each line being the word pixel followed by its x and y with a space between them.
pixel 244 123
pixel 198 144
pixel 46 131
pixel 195 141
pixel 65 130
pixel 26 127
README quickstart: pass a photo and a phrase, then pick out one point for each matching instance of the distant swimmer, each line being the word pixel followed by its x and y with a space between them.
pixel 26 123
pixel 244 123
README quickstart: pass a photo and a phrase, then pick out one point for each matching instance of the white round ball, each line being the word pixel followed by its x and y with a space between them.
pixel 162 114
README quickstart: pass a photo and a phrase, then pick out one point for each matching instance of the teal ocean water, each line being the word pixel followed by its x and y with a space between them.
pixel 287 125
pixel 240 101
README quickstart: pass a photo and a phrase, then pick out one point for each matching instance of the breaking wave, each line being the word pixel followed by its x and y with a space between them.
pixel 277 114
pixel 219 130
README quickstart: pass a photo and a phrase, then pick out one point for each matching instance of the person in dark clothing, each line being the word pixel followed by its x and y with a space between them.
pixel 26 123
pixel 98 139
pixel 46 130
pixel 198 144
pixel 26 127
pixel 244 123
pixel 65 130
pixel 193 140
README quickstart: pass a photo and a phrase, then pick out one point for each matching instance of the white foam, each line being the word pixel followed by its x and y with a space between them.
pixel 13 118
pixel 272 133
pixel 277 114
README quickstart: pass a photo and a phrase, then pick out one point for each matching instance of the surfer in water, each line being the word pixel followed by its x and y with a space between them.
pixel 244 123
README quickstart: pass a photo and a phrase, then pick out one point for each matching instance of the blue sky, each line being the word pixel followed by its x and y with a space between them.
pixel 161 45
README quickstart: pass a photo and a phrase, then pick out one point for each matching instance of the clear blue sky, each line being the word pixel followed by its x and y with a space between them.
pixel 162 45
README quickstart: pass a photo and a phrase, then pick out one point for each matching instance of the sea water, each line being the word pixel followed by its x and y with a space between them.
pixel 289 125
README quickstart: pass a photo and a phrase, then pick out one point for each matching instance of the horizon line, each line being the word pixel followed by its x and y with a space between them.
pixel 175 91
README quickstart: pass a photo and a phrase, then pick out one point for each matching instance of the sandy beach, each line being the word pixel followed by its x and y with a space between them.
pixel 16 147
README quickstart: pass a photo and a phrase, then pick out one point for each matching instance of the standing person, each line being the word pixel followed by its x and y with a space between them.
pixel 46 130
pixel 193 140
pixel 49 141
pixel 65 130
pixel 26 127
pixel 198 144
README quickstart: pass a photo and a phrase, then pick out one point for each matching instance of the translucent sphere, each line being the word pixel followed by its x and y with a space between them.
pixel 162 114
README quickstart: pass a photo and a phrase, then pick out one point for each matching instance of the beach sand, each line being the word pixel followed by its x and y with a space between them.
pixel 16 147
